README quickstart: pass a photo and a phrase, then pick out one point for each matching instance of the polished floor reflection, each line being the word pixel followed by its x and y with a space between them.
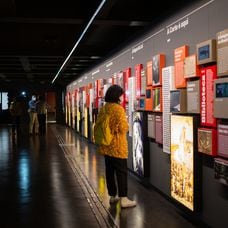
pixel 58 181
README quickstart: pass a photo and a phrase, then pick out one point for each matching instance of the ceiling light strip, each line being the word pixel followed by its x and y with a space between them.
pixel 78 41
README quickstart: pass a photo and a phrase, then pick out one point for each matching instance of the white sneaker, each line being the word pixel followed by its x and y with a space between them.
pixel 113 199
pixel 125 202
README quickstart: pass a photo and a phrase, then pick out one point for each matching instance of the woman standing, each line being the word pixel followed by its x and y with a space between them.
pixel 116 153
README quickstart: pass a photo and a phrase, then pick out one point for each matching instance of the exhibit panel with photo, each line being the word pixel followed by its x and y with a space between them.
pixel 140 152
pixel 183 173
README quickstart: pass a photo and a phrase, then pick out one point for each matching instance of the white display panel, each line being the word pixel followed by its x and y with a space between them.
pixel 5 101
pixel 131 97
pixel 167 74
pixel 91 97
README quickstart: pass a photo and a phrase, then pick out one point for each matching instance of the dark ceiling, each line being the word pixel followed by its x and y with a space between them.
pixel 37 35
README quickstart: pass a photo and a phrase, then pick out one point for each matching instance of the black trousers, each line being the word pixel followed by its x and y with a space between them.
pixel 116 170
pixel 42 123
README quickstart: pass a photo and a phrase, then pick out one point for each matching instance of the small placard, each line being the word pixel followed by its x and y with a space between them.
pixel 207 141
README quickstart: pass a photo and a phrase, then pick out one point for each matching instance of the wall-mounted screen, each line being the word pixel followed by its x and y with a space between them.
pixel 142 103
pixel 148 93
pixel 221 98
pixel 206 52
pixel 221 90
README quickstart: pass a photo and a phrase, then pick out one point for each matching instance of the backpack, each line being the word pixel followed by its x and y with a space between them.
pixel 102 131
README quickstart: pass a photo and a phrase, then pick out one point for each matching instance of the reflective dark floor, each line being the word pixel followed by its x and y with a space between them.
pixel 58 180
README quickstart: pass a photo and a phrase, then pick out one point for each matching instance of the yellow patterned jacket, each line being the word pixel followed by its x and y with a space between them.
pixel 119 128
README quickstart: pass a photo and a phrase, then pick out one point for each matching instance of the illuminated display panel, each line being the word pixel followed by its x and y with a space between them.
pixel 182 160
pixel 140 152
pixel 138 149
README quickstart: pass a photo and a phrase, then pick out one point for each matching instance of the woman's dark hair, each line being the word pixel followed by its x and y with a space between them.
pixel 113 94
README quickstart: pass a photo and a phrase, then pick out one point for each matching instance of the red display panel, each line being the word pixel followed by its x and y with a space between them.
pixel 223 140
pixel 95 103
pixel 149 73
pixel 208 74
pixel 138 71
pixel 179 56
pixel 127 74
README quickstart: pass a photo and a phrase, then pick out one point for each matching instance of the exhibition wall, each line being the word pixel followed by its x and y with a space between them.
pixel 202 21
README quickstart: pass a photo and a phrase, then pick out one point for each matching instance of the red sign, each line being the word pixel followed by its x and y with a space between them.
pixel 138 71
pixel 208 74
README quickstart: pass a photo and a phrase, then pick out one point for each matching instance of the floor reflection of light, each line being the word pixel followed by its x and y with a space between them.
pixel 94 168
pixel 24 179
pixel 86 161
pixel 5 145
pixel 101 186
pixel 60 199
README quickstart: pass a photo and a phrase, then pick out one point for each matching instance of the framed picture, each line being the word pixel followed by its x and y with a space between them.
pixel 140 153
pixel 183 160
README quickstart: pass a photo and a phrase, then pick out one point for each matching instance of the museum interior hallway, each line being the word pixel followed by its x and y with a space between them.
pixel 58 181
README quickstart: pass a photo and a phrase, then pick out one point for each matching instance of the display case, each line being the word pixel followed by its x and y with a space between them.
pixel 184 161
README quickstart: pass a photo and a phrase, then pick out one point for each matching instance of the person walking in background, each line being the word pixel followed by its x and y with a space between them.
pixel 42 107
pixel 16 112
pixel 33 122
pixel 116 153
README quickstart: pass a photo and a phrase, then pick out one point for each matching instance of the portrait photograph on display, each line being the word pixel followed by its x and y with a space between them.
pixel 155 70
pixel 182 159
pixel 175 101
pixel 156 99
pixel 138 150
